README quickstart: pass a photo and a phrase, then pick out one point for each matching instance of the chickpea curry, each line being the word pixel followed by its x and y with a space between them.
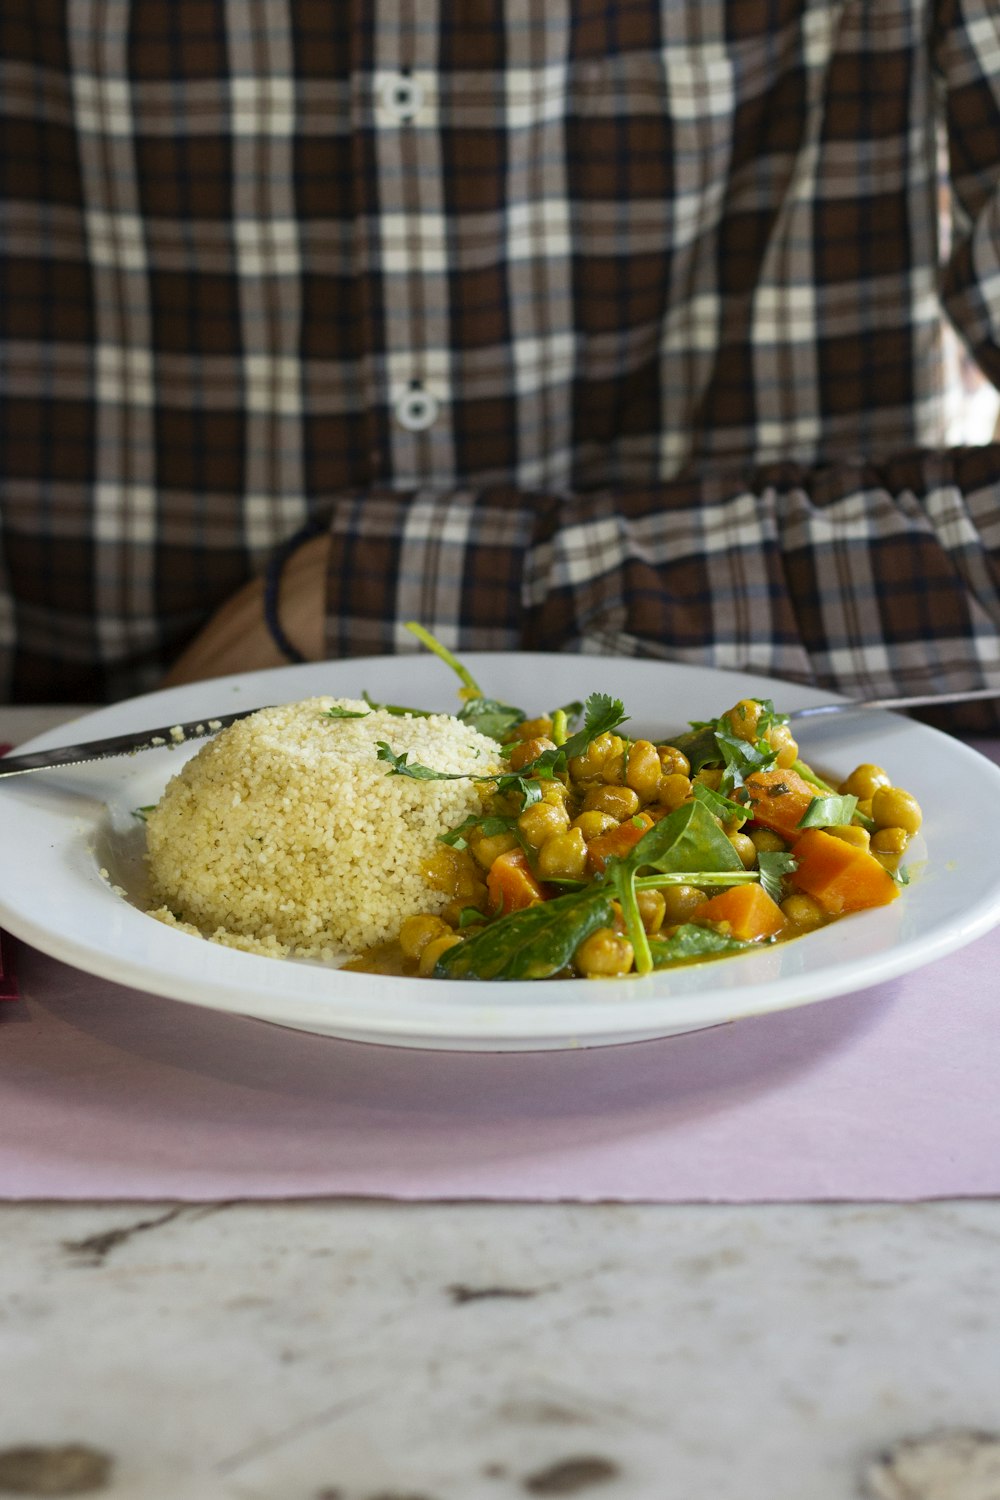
pixel 598 855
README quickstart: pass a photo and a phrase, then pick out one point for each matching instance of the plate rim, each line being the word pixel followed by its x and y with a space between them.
pixel 530 1024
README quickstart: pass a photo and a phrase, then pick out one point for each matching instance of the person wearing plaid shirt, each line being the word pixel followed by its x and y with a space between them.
pixel 592 325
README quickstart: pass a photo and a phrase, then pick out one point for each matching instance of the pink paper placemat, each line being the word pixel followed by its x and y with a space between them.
pixel 888 1094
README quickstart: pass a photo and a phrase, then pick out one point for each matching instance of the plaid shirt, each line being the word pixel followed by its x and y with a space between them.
pixel 602 325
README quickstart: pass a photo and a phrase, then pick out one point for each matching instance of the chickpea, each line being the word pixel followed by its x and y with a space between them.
pixel 651 909
pixel 781 739
pixel 675 789
pixel 555 791
pixel 643 772
pixel 888 845
pixel 452 871
pixel 890 841
pixel 894 808
pixel 851 834
pixel 416 932
pixel 802 912
pixel 528 750
pixel 613 770
pixel 563 857
pixel 864 781
pixel 679 901
pixel 530 729
pixel 745 848
pixel 542 821
pixel 604 955
pixel 673 762
pixel 452 910
pixel 433 951
pixel 744 719
pixel 766 841
pixel 620 801
pixel 709 776
pixel 488 847
pixel 593 823
pixel 587 767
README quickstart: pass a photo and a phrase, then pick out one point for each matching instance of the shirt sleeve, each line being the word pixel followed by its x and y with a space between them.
pixel 967 62
pixel 868 579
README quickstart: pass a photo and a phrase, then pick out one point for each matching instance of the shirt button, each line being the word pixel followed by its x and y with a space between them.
pixel 402 96
pixel 416 409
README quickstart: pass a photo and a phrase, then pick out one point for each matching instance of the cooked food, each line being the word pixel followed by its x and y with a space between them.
pixel 493 847
pixel 603 855
pixel 284 832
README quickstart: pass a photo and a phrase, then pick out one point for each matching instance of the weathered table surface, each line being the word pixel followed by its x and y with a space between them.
pixel 352 1350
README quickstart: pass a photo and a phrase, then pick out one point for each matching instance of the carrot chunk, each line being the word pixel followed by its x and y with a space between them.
pixel 779 800
pixel 840 876
pixel 747 910
pixel 617 842
pixel 510 883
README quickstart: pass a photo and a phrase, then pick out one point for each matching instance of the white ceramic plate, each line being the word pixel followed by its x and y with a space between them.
pixel 61 827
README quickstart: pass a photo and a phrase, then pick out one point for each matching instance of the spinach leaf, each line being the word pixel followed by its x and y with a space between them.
pixel 490 717
pixel 531 944
pixel 687 839
pixel 620 876
pixel 693 941
pixel 699 746
pixel 829 812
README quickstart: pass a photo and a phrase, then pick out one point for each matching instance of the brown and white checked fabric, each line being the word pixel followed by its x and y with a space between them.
pixel 585 324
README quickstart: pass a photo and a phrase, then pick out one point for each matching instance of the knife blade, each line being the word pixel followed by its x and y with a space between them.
pixel 915 700
pixel 168 737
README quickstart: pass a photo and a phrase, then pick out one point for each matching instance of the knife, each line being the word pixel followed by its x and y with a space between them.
pixel 917 700
pixel 168 737
pixel 197 729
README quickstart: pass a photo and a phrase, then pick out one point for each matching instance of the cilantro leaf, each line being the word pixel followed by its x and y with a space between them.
pixel 336 712
pixel 773 866
pixel 723 807
pixel 603 713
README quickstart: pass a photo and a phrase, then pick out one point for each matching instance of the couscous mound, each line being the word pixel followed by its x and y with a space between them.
pixel 285 833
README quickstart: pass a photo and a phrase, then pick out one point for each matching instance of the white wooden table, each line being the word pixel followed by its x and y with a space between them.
pixel 347 1350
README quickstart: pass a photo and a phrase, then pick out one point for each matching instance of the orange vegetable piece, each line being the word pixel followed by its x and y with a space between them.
pixel 747 910
pixel 510 884
pixel 840 876
pixel 617 842
pixel 779 800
